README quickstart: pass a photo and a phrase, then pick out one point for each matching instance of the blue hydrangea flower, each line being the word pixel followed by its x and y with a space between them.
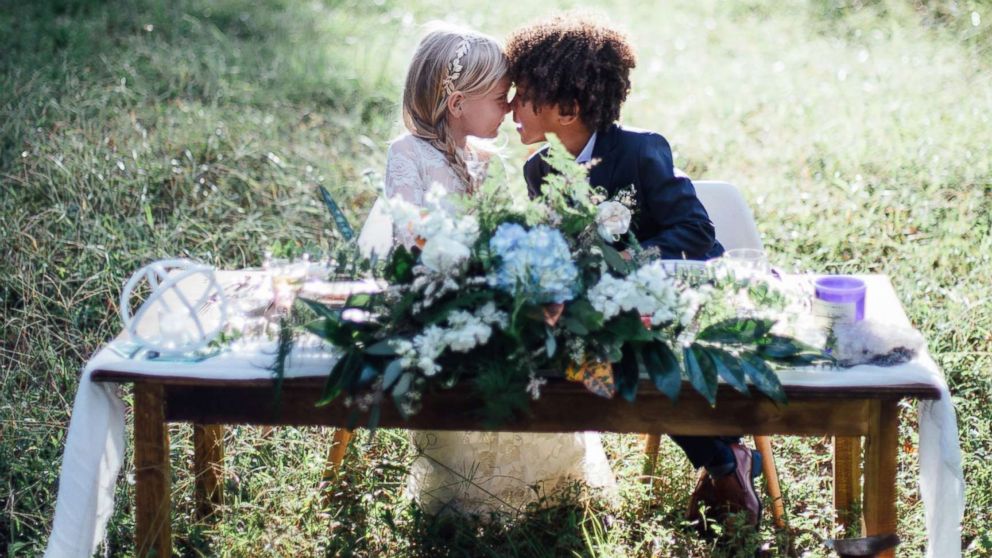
pixel 536 262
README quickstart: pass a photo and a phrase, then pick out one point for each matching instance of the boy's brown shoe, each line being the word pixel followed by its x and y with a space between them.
pixel 730 494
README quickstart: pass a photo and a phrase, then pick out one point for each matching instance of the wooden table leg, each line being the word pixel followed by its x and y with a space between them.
pixel 208 468
pixel 652 442
pixel 764 445
pixel 152 491
pixel 881 449
pixel 847 483
pixel 335 456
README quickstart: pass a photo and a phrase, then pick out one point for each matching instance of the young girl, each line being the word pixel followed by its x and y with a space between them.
pixel 456 90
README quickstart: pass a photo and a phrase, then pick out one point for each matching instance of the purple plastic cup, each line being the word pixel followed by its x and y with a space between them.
pixel 840 298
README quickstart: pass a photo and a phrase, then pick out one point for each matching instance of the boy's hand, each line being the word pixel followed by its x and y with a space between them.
pixel 626 255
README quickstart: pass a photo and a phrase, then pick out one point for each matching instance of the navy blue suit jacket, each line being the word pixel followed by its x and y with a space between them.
pixel 668 216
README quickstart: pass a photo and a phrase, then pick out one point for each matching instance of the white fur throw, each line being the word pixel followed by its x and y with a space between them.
pixel 874 342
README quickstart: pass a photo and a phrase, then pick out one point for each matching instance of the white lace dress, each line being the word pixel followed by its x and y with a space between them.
pixel 484 472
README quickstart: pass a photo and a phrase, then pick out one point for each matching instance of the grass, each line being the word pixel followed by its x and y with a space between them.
pixel 131 131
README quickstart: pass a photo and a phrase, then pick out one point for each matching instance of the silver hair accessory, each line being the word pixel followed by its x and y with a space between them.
pixel 455 66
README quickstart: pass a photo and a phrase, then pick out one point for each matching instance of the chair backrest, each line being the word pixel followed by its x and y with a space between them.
pixel 376 235
pixel 734 222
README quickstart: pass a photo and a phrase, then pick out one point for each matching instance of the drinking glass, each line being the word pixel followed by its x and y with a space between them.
pixel 748 261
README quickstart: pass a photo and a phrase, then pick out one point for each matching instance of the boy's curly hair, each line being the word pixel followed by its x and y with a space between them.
pixel 571 61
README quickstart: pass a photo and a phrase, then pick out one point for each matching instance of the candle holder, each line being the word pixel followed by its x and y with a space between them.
pixel 839 299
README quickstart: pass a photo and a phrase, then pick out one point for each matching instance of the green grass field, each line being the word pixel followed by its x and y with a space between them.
pixel 130 131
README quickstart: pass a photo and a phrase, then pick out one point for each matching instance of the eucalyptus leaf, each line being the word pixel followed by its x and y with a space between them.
pixel 368 375
pixel 386 347
pixel 392 373
pixel 550 344
pixel 400 392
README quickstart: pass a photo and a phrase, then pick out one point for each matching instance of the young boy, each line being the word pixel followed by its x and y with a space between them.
pixel 572 76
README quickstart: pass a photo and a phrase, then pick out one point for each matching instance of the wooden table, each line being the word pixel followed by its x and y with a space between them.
pixel 846 414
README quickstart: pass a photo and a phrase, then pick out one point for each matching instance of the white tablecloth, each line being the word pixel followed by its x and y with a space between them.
pixel 94 449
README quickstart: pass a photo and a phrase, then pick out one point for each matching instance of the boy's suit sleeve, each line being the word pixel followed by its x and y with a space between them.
pixel 684 228
pixel 535 169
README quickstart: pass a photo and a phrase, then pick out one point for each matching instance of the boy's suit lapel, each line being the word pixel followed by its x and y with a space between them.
pixel 606 142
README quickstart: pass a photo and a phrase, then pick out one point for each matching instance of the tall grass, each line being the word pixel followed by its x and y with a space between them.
pixel 131 131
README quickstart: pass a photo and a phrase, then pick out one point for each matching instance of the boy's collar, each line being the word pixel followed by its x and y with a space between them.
pixel 586 154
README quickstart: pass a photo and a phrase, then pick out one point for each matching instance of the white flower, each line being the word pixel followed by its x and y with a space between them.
pixel 490 315
pixel 429 345
pixel 613 219
pixel 443 254
pixel 649 290
pixel 534 386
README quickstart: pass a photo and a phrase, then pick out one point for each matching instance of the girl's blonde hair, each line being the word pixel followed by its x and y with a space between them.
pixel 449 60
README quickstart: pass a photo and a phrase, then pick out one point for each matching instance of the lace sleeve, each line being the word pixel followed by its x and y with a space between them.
pixel 403 176
pixel 404 179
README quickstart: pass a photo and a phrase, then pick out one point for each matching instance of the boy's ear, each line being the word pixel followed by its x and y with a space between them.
pixel 568 119
pixel 454 104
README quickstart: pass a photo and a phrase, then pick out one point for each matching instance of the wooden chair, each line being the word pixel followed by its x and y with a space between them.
pixel 735 228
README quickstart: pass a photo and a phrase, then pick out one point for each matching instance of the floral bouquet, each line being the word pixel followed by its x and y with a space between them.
pixel 505 292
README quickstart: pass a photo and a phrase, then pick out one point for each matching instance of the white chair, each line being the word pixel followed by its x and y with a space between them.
pixel 734 222
pixel 376 236
pixel 735 228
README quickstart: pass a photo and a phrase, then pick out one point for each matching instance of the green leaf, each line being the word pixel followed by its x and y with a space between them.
pixel 550 344
pixel 613 258
pixel 374 415
pixel 339 219
pixel 778 347
pixel 736 330
pixel 664 369
pixel 763 377
pixel 574 326
pixel 400 391
pixel 321 309
pixel 392 373
pixel 702 373
pixel 343 374
pixel 626 373
pixel 333 332
pixel 629 327
pixel 360 300
pixel 729 368
pixel 399 268
pixel 368 375
pixel 386 347
pixel 582 312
